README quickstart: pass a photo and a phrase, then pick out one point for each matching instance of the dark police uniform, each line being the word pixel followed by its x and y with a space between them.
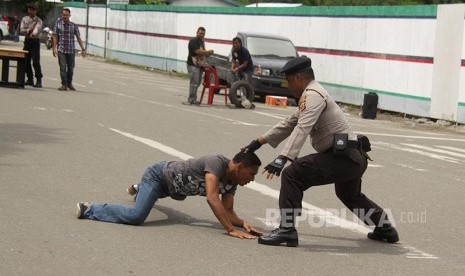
pixel 319 118
pixel 32 45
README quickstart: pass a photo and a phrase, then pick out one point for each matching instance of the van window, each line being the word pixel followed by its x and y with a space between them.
pixel 259 46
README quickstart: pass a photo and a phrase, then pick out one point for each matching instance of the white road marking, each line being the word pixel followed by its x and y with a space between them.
pixel 329 217
pixel 435 150
pixel 413 168
pixel 452 148
pixel 80 85
pixel 413 137
pixel 432 155
pixel 271 115
pixel 190 110
pixel 154 144
pixel 40 108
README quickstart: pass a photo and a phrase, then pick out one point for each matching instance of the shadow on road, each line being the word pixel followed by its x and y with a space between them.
pixel 177 217
pixel 14 137
pixel 362 246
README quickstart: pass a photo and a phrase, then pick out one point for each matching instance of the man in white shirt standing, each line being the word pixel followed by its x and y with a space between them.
pixel 31 25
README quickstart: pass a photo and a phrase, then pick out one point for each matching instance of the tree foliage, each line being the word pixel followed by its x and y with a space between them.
pixel 356 2
pixel 44 7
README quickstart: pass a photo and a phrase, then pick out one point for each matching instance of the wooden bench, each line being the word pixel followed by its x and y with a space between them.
pixel 20 57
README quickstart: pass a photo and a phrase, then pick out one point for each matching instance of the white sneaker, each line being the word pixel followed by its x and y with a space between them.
pixel 81 208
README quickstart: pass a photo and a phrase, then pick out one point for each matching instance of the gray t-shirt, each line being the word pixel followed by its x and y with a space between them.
pixel 187 178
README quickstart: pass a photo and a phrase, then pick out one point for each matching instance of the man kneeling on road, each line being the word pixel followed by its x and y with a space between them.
pixel 208 176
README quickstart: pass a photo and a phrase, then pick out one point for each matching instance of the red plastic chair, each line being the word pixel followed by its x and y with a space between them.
pixel 212 83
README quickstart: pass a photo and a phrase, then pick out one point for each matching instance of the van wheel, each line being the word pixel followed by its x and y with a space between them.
pixel 238 89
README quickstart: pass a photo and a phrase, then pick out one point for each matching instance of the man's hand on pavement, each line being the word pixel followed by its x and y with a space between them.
pixel 250 229
pixel 241 235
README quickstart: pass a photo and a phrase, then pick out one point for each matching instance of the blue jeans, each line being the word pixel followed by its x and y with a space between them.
pixel 152 187
pixel 66 62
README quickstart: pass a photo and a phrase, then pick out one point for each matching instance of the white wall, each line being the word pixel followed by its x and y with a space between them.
pixel 408 55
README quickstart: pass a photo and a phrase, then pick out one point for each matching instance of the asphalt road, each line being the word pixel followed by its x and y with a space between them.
pixel 58 148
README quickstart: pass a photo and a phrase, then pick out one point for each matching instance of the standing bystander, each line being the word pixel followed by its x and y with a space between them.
pixel 242 63
pixel 195 59
pixel 15 28
pixel 31 25
pixel 63 46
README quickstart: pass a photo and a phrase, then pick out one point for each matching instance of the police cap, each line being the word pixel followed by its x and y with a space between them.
pixel 33 6
pixel 296 65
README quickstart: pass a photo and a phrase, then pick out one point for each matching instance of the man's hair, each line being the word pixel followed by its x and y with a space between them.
pixel 66 9
pixel 249 159
pixel 201 29
pixel 237 39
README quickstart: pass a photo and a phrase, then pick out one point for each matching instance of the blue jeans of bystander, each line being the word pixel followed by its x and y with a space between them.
pixel 66 62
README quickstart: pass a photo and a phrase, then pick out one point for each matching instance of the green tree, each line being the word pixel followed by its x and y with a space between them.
pixel 356 2
pixel 44 7
pixel 147 2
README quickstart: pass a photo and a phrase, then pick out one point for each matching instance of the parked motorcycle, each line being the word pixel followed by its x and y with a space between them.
pixel 48 37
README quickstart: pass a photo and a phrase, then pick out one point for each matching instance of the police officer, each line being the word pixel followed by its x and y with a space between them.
pixel 340 159
pixel 31 26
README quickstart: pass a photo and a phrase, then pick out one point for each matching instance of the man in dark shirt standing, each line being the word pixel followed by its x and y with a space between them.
pixel 241 61
pixel 195 59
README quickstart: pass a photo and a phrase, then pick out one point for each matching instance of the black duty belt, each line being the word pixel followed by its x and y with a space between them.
pixel 354 144
pixel 351 144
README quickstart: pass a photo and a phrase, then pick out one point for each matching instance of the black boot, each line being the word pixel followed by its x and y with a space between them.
pixel 38 83
pixel 384 233
pixel 29 82
pixel 281 235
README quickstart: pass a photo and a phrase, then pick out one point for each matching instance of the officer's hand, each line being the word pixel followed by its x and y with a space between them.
pixel 275 167
pixel 252 147
pixel 241 235
pixel 249 228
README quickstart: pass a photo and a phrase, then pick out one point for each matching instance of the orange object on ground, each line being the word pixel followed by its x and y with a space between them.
pixel 276 101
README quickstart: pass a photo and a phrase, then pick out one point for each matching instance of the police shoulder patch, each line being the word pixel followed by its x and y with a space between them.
pixel 302 103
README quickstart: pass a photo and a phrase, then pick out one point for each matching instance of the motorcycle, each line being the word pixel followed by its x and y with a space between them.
pixel 48 37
